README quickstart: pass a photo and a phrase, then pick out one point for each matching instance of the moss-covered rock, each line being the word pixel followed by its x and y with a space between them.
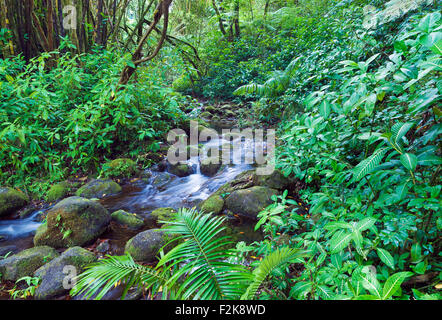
pixel 58 191
pixel 210 109
pixel 214 204
pixel 181 169
pixel 229 114
pixel 249 202
pixel 53 273
pixel 276 180
pixel 98 189
pixel 163 214
pixel 73 222
pixel 144 246
pixel 206 115
pixel 120 168
pixel 130 220
pixel 210 166
pixel 26 262
pixel 162 178
pixel 11 200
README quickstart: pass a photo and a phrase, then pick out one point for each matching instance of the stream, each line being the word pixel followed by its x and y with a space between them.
pixel 143 196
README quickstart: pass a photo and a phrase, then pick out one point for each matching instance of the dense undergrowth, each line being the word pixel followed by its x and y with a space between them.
pixel 68 118
pixel 355 94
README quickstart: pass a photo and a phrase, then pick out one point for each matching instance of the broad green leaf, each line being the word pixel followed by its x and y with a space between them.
pixel 428 22
pixel 324 109
pixel 339 241
pixel 369 282
pixel 385 257
pixel 365 224
pixel 367 165
pixel 409 161
pixel 393 283
pixel 398 131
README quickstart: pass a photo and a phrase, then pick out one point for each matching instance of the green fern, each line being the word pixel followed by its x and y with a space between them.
pixel 99 278
pixel 194 269
pixel 275 86
pixel 202 259
pixel 270 263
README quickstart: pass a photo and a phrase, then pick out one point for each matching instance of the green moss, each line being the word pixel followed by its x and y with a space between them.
pixel 144 246
pixel 98 189
pixel 119 168
pixel 214 204
pixel 58 191
pixel 73 222
pixel 26 262
pixel 210 166
pixel 181 169
pixel 128 219
pixel 163 214
pixel 206 115
pixel 11 200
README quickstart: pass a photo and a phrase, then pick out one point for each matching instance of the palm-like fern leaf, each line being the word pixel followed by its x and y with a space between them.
pixel 271 262
pixel 102 276
pixel 201 259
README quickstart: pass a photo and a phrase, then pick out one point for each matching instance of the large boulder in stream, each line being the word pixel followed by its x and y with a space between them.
pixel 210 166
pixel 249 202
pixel 275 180
pixel 11 200
pixel 144 247
pixel 181 169
pixel 98 189
pixel 26 262
pixel 73 222
pixel 54 273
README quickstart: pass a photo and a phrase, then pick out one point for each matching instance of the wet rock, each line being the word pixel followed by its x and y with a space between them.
pixel 163 214
pixel 162 179
pixel 103 247
pixel 98 189
pixel 120 168
pixel 214 204
pixel 11 200
pixel 73 222
pixel 53 273
pixel 206 115
pixel 276 180
pixel 144 246
pixel 210 166
pixel 26 262
pixel 249 202
pixel 8 249
pixel 160 166
pixel 181 169
pixel 130 220
pixel 58 191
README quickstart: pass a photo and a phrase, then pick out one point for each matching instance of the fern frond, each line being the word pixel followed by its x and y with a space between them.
pixel 102 276
pixel 270 263
pixel 202 259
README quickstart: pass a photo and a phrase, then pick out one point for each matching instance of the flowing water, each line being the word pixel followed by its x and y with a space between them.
pixel 144 196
